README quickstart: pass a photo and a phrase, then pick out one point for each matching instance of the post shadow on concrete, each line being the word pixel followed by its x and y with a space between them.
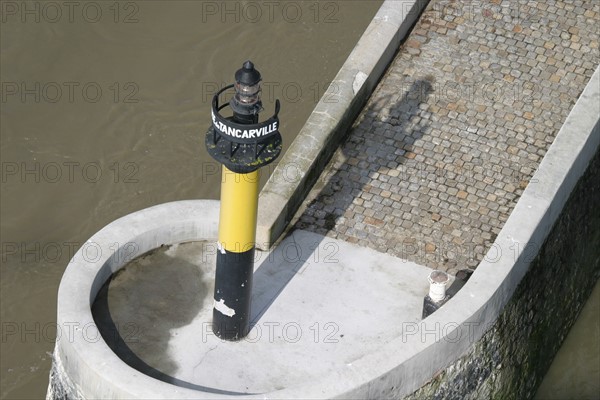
pixel 382 147
pixel 270 279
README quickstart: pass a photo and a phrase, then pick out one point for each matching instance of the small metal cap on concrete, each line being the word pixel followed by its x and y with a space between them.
pixel 437 285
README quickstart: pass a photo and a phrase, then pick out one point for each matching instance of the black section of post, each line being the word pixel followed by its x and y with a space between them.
pixel 233 288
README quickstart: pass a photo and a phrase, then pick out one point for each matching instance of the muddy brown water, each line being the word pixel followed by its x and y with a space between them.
pixel 103 111
pixel 575 370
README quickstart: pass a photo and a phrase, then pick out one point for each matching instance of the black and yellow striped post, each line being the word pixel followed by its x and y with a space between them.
pixel 242 145
pixel 235 257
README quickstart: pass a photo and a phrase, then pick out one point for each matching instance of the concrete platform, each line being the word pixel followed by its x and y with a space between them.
pixel 319 304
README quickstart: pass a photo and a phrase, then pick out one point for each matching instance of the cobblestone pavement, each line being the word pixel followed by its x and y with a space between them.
pixel 455 130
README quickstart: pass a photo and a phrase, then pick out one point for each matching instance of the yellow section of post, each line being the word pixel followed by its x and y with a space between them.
pixel 239 206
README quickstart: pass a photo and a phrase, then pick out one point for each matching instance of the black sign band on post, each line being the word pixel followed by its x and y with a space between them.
pixel 242 133
pixel 242 148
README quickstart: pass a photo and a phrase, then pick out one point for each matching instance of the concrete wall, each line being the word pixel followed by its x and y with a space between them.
pixel 535 279
pixel 466 348
pixel 511 359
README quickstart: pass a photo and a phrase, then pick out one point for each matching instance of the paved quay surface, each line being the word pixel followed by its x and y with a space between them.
pixel 441 153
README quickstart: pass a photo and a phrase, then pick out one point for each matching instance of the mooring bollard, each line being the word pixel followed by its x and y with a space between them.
pixel 242 145
pixel 437 292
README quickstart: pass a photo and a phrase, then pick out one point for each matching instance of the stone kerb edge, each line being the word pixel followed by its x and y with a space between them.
pixel 80 360
pixel 308 155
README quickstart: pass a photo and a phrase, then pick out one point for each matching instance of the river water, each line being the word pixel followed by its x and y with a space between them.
pixel 104 109
pixel 575 371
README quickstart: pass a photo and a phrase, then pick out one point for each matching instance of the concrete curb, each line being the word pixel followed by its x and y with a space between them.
pixel 82 359
pixel 304 161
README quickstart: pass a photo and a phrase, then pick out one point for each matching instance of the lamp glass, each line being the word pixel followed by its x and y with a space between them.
pixel 247 94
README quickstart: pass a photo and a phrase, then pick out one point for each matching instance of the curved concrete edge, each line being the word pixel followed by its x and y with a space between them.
pixel 304 161
pixel 85 362
pixel 81 356
pixel 428 347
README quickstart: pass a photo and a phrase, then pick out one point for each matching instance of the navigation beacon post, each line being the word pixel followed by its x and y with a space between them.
pixel 242 145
